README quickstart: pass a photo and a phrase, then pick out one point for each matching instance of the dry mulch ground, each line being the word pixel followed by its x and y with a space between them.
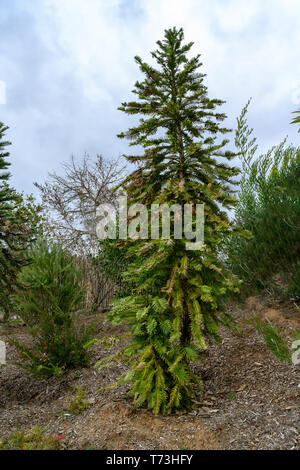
pixel 251 399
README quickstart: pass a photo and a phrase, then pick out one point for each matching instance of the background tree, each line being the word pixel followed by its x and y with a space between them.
pixel 6 198
pixel 73 197
pixel 20 222
pixel 177 294
pixel 71 200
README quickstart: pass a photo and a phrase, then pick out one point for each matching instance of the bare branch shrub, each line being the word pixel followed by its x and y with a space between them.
pixel 71 200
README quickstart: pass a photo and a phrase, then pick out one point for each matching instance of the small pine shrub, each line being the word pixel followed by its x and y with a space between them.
pixel 50 295
pixel 79 404
pixel 35 439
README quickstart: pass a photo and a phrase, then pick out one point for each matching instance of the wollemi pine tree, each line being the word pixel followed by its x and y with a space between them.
pixel 176 300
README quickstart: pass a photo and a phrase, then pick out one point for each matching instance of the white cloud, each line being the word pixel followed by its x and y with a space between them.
pixel 2 92
pixel 235 16
pixel 241 41
pixel 77 60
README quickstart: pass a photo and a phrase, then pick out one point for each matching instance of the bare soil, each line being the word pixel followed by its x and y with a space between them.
pixel 251 400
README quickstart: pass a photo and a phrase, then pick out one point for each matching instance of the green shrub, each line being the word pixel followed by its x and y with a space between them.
pixel 269 207
pixel 35 439
pixel 277 343
pixel 79 404
pixel 112 264
pixel 51 293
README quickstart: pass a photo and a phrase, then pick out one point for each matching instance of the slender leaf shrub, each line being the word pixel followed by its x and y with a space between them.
pixel 269 207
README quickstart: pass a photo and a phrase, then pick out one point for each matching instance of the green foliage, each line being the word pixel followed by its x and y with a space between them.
pixel 296 334
pixel 4 164
pixel 79 404
pixel 50 292
pixel 269 208
pixel 25 225
pixel 112 263
pixel 50 283
pixel 273 339
pixel 20 222
pixel 176 295
pixel 35 439
pixel 296 120
pixel 109 341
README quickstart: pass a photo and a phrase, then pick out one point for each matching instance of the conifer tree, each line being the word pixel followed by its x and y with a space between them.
pixel 175 305
pixel 6 198
pixel 19 221
pixel 5 193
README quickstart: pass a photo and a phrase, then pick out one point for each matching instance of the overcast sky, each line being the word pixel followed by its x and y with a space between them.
pixel 68 64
